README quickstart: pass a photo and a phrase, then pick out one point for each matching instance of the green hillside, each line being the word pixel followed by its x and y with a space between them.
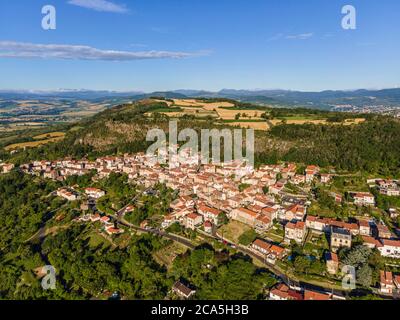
pixel 372 146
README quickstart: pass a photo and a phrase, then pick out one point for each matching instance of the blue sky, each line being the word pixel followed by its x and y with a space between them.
pixel 199 44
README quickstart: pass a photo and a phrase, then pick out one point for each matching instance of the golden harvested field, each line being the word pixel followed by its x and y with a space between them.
pixel 49 135
pixel 226 114
pixel 354 121
pixel 32 144
pixel 216 109
pixel 207 106
pixel 250 125
pixel 227 111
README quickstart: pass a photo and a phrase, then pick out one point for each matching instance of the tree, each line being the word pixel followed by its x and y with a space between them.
pixel 364 275
pixel 302 264
pixel 357 256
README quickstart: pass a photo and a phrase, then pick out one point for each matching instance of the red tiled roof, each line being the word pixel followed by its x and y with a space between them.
pixel 248 212
pixel 386 277
pixel 262 244
pixel 193 216
pixel 334 257
pixel 312 295
pixel 263 219
pixel 207 209
pixel 208 224
pixel 113 230
pixel 371 240
pixel 392 243
pixel 363 223
pixel 277 249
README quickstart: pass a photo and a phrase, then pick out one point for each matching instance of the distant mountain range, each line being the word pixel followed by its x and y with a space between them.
pixel 285 98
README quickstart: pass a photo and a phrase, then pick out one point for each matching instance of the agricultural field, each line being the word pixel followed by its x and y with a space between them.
pixel 38 141
pixel 32 144
pixel 49 135
pixel 244 117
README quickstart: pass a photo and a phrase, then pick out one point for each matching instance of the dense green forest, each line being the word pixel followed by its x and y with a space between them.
pixel 373 146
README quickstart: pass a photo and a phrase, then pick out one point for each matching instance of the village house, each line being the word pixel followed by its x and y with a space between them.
pixel 113 231
pixel 262 200
pixel 317 224
pixel 271 211
pixel 388 188
pixel 311 172
pixel 312 295
pixel 383 231
pixel 106 220
pixel 210 214
pixel 283 292
pixel 340 238
pixel 337 197
pixel 391 192
pixel 182 290
pixel 67 194
pixel 276 189
pixel 390 248
pixel 262 223
pixel 295 231
pixel 320 225
pixel 295 212
pixel 95 193
pixel 6 167
pixel 364 227
pixel 289 171
pixel 245 216
pixel 326 178
pixel 298 179
pixel 270 252
pixel 363 199
pixel 386 282
pixel 95 217
pixel 208 227
pixel 168 221
pixel 332 263
pixel 193 220
pixel 371 242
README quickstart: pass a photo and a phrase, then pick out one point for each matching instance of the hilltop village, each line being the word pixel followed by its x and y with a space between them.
pixel 271 204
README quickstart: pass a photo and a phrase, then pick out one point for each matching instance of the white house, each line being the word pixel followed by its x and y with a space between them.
pixel 95 193
pixel 390 248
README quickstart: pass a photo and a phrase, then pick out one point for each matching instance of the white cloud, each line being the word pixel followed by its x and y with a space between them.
pixel 301 36
pixel 276 37
pixel 100 5
pixel 11 49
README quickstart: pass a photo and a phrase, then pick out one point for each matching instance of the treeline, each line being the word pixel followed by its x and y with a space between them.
pixel 372 146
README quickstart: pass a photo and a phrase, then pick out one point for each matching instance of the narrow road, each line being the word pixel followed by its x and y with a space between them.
pixel 286 279
pixel 187 243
